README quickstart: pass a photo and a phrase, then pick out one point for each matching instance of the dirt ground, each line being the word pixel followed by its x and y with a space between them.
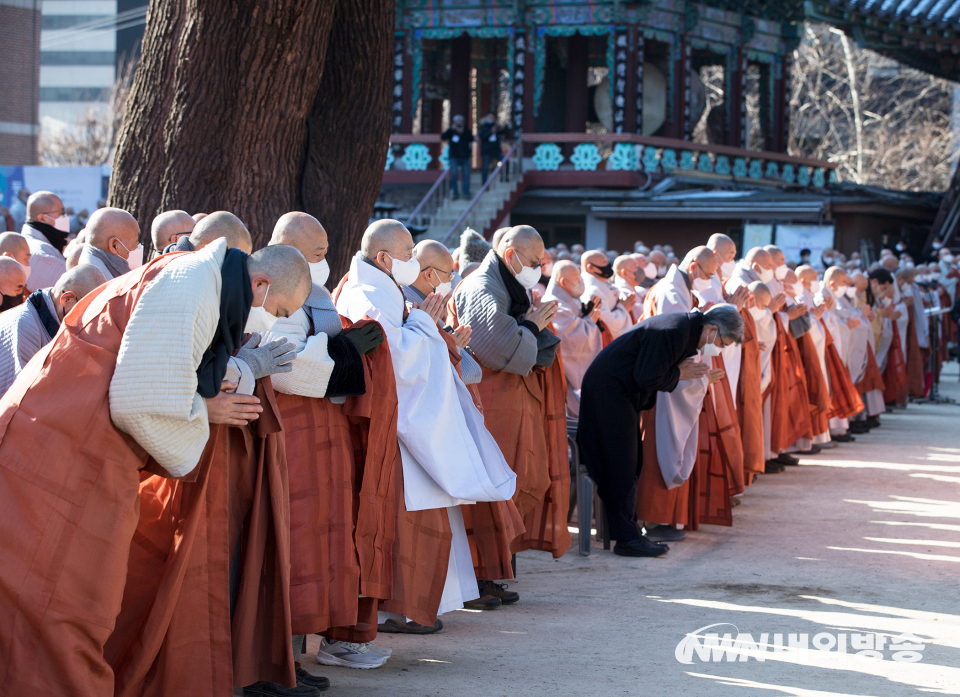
pixel 859 541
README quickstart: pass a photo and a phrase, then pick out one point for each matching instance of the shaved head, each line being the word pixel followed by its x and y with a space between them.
pixel 776 255
pixel 761 294
pixel 79 280
pixel 498 237
pixel 524 238
pixel 565 270
pixel 15 246
pixel 889 263
pixel 197 217
pixel 167 226
pixel 594 257
pixel 386 241
pixel 761 257
pixel 285 275
pixel 432 253
pixel 303 232
pixel 657 257
pixel 12 277
pixel 836 276
pixel 723 247
pixel 221 224
pixel 790 277
pixel 806 273
pixel 72 254
pixel 703 257
pixel 113 231
pixel 44 203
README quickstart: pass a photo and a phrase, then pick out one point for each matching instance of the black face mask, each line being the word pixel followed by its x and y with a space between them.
pixel 10 301
pixel 604 271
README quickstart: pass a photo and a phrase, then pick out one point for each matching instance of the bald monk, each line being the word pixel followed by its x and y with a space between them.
pixel 627 275
pixel 522 389
pixel 490 525
pixel 671 429
pixel 627 378
pixel 498 237
pixel 168 227
pixel 918 343
pixel 577 327
pixel 13 282
pixel 870 384
pixel 336 554
pixel 806 288
pixel 72 254
pixel 57 609
pixel 212 227
pixel 112 242
pixel 844 397
pixel 199 216
pixel 448 456
pixel 46 230
pixel 30 327
pixel 616 305
pixel 15 246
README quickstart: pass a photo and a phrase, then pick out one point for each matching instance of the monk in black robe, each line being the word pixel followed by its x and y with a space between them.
pixel 622 381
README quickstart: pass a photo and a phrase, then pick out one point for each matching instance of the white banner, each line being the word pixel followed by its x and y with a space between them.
pixel 792 238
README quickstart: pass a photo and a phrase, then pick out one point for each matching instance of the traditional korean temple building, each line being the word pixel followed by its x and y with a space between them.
pixel 603 99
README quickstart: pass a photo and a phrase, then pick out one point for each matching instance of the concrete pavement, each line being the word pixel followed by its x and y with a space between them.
pixel 859 542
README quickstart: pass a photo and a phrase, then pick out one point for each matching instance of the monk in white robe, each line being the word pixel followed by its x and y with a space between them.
pixel 615 312
pixel 576 326
pixel 807 287
pixel 448 456
pixel 626 276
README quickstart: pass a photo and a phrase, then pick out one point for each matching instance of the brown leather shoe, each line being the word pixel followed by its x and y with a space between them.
pixel 498 590
pixel 484 602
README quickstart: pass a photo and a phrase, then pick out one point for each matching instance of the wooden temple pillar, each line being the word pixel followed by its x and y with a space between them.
pixel 578 66
pixel 737 135
pixel 460 51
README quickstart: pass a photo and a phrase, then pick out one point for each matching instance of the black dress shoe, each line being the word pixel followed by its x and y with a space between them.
pixel 272 689
pixel 498 590
pixel 844 438
pixel 640 548
pixel 787 459
pixel 316 681
pixel 393 626
pixel 814 450
pixel 772 467
pixel 873 421
pixel 859 427
pixel 484 602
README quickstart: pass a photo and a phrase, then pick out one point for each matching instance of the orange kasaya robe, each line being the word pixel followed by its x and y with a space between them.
pixel 524 416
pixel 818 393
pixel 174 633
pixel 872 378
pixel 342 461
pixel 916 364
pixel 895 372
pixel 750 400
pixel 724 426
pixel 844 398
pixel 789 407
pixel 69 507
pixel 947 327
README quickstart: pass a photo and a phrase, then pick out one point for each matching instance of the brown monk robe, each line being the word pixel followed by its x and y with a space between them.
pixel 872 377
pixel 895 372
pixel 174 633
pixel 421 551
pixel 342 460
pixel 789 408
pixel 818 393
pixel 844 398
pixel 916 361
pixel 750 401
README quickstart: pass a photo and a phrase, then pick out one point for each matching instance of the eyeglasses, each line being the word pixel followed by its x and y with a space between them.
pixel 62 211
pixel 448 274
pixel 538 265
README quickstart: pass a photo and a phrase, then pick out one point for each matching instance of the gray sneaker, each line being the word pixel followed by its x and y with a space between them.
pixel 664 533
pixel 348 655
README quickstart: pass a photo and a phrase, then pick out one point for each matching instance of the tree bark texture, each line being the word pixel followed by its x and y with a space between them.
pixel 235 107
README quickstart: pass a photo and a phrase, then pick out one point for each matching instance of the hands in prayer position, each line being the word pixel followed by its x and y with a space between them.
pixel 434 305
pixel 738 297
pixel 714 376
pixel 693 371
pixel 461 335
pixel 777 302
pixel 542 314
pixel 798 310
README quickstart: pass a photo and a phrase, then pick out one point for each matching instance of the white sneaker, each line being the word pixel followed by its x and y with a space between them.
pixel 348 655
pixel 379 650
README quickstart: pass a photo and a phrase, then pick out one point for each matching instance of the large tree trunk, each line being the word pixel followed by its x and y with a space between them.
pixel 349 127
pixel 223 98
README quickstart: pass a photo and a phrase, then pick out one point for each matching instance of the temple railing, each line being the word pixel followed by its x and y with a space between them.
pixel 627 152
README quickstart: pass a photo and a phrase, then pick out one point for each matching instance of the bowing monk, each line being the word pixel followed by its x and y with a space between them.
pixel 13 282
pixel 448 457
pixel 112 242
pixel 626 379
pixel 336 556
pixel 57 608
pixel 168 227
pixel 577 327
pixel 522 388
pixel 31 326
pixel 490 525
pixel 211 227
pixel 671 429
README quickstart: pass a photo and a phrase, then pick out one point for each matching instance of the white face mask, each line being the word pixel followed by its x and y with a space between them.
pixel 780 272
pixel 528 277
pixel 650 270
pixel 814 287
pixel 405 272
pixel 947 258
pixel 701 285
pixel 759 314
pixel 259 320
pixel 134 256
pixel 579 289
pixel 766 275
pixel 798 289
pixel 443 289
pixel 727 268
pixel 62 223
pixel 26 269
pixel 710 350
pixel 319 272
pixel 887 302
pixel 850 291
